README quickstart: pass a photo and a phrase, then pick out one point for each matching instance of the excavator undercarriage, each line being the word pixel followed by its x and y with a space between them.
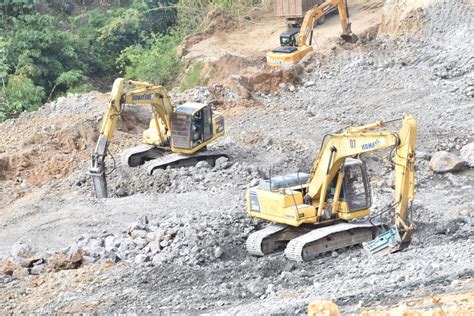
pixel 153 157
pixel 307 242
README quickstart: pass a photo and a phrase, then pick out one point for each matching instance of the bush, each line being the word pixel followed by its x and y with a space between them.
pixel 20 94
pixel 158 63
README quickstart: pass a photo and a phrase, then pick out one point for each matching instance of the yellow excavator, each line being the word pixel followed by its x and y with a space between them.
pixel 323 211
pixel 298 42
pixel 176 137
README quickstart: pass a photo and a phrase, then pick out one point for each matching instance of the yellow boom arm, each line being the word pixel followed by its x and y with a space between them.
pixel 313 15
pixel 158 133
pixel 356 141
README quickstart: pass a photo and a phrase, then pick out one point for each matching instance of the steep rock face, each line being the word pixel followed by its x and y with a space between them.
pixel 402 17
pixel 444 161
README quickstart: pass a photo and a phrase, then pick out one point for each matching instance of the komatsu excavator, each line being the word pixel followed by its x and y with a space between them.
pixel 297 43
pixel 323 211
pixel 177 136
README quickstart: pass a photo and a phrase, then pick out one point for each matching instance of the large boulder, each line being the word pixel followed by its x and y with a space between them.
pixel 467 154
pixel 444 161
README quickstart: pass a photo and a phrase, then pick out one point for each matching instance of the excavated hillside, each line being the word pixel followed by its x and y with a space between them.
pixel 174 242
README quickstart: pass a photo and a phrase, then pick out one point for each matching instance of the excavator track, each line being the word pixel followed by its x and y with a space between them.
pixel 177 160
pixel 325 239
pixel 136 156
pixel 260 242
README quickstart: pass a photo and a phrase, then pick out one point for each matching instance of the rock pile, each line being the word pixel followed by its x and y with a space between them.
pixel 178 242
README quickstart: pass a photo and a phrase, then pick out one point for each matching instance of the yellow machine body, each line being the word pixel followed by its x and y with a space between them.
pixel 282 204
pixel 277 59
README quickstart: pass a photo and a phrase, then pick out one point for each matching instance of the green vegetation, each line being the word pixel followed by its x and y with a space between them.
pixel 192 77
pixel 49 48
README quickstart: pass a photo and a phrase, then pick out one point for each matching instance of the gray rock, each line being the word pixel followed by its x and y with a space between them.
pixel 88 260
pixel 75 253
pixel 198 177
pixel 444 161
pixel 218 252
pixel 109 257
pixel 141 258
pixel 140 242
pixel 203 165
pixel 467 154
pixel 154 246
pixel 138 233
pixel 156 259
pixel 423 155
pixel 309 83
pixel 21 250
pixel 222 163
pixel 37 269
pixel 141 223
pixel 110 243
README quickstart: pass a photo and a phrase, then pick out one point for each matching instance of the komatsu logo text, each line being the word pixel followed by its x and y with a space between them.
pixel 370 145
pixel 141 97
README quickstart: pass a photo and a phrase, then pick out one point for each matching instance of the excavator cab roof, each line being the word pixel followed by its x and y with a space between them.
pixel 190 108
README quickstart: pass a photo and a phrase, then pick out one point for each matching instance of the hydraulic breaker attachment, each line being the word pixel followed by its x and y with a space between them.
pixel 97 169
pixel 385 243
pixel 99 182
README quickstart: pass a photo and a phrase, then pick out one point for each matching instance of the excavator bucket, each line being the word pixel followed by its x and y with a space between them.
pixel 350 38
pixel 385 243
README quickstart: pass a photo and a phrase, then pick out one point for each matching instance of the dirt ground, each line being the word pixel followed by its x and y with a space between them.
pixel 199 212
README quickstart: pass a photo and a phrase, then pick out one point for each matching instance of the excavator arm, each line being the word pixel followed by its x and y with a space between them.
pixel 313 15
pixel 160 124
pixel 355 141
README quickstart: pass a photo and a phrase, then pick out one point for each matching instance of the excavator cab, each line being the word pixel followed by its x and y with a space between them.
pixel 287 42
pixel 355 196
pixel 356 189
pixel 193 125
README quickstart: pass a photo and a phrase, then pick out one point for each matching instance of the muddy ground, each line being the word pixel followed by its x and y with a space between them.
pixel 203 267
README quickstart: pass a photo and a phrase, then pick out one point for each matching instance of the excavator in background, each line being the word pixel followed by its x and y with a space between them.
pixel 176 137
pixel 323 211
pixel 298 42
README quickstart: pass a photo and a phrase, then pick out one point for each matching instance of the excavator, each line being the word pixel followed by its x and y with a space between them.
pixel 176 137
pixel 324 211
pixel 297 43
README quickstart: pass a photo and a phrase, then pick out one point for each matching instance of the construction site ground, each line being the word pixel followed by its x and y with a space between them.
pixel 412 57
